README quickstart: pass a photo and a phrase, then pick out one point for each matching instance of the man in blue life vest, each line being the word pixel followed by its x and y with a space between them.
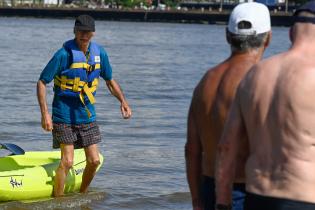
pixel 75 69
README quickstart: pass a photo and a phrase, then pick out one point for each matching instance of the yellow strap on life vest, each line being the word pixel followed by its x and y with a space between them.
pixel 63 83
pixel 90 90
pixel 76 82
pixel 71 84
pixel 86 109
pixel 79 66
pixel 83 90
pixel 84 66
pixel 77 86
pixel 89 93
pixel 94 84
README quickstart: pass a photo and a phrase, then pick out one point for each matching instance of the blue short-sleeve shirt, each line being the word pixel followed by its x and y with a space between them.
pixel 70 110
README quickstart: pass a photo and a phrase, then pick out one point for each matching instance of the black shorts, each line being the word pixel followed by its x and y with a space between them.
pixel 82 135
pixel 259 202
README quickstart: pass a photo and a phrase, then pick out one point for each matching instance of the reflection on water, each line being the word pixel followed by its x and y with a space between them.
pixel 71 201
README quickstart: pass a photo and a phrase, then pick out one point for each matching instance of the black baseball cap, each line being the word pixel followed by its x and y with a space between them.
pixel 84 23
pixel 307 7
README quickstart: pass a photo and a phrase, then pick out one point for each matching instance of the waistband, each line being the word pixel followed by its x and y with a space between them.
pixel 237 186
pixel 262 202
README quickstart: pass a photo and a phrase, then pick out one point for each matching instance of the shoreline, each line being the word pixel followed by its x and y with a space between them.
pixel 173 16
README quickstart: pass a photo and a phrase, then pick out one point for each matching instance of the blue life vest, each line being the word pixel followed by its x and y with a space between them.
pixel 81 78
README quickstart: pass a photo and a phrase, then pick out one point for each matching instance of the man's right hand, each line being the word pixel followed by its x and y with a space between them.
pixel 41 96
pixel 47 122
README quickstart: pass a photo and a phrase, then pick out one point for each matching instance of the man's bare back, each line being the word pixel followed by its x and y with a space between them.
pixel 282 130
pixel 211 102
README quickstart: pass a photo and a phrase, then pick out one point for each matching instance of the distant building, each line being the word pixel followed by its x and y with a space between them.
pixel 51 2
pixel 11 3
pixel 271 2
pixel 242 1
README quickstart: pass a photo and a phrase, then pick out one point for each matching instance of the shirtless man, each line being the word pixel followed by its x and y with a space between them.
pixel 272 123
pixel 248 33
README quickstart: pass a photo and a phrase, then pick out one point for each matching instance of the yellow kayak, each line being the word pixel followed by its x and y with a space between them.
pixel 30 175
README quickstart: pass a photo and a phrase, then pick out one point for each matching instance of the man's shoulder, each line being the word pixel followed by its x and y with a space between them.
pixel 210 80
pixel 266 71
pixel 102 50
pixel 100 47
pixel 214 73
pixel 61 53
pixel 96 45
pixel 267 68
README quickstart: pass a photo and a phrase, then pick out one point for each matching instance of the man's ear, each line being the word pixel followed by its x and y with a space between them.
pixel 269 37
pixel 291 34
pixel 227 36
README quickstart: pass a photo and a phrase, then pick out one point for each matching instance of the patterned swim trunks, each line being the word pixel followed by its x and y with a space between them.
pixel 82 135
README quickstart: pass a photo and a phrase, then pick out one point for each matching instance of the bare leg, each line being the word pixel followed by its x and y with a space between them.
pixel 63 169
pixel 92 162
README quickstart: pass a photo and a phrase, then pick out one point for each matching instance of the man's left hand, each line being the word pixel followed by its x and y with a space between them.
pixel 125 110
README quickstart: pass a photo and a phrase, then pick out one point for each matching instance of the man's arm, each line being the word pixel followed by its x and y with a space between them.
pixel 41 96
pixel 116 91
pixel 193 161
pixel 233 139
pixel 54 66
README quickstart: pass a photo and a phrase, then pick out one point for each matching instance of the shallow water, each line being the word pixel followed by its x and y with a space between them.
pixel 157 65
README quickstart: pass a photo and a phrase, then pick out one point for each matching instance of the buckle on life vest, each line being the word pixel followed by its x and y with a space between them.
pixel 91 68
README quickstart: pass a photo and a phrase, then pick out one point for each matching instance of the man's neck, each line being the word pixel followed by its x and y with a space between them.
pixel 254 55
pixel 82 48
pixel 303 38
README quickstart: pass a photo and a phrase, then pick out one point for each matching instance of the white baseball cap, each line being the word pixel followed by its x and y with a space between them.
pixel 256 14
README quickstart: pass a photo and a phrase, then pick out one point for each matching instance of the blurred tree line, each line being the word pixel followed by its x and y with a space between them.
pixel 142 4
pixel 174 3
pixel 147 3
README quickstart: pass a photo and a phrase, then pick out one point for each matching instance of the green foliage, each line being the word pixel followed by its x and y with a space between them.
pixel 174 3
pixel 130 3
pixel 171 3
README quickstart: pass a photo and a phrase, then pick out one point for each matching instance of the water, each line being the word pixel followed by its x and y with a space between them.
pixel 157 65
